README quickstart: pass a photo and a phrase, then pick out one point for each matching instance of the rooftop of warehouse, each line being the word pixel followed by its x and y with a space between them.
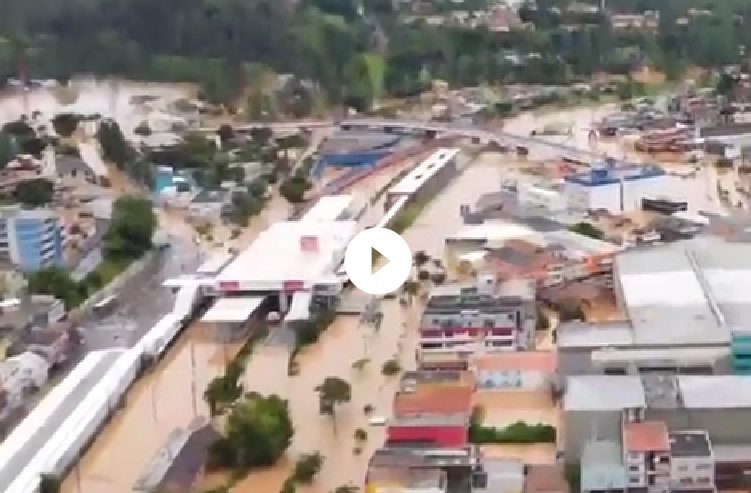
pixel 292 250
pixel 690 292
pixel 617 392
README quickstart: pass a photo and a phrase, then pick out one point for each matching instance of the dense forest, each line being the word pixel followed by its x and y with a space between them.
pixel 354 51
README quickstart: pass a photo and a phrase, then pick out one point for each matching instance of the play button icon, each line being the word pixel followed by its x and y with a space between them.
pixel 389 270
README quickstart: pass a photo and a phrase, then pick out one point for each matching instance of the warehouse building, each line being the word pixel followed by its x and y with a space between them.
pixel 686 309
pixel 616 190
pixel 596 406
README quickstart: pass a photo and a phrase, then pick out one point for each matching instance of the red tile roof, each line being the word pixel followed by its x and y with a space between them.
pixel 646 436
pixel 444 399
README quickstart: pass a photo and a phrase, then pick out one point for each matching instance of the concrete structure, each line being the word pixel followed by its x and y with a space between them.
pixel 516 251
pixel 479 317
pixel 30 238
pixel 438 415
pixel 517 370
pixel 178 464
pixel 646 448
pixel 686 307
pixel 426 178
pixel 602 467
pixel 692 462
pixel 388 479
pixel 357 148
pixel 536 196
pixel 617 190
pixel 209 204
pixel 22 374
pixel 335 208
pixel 293 257
pixel 595 406
pixel 39 427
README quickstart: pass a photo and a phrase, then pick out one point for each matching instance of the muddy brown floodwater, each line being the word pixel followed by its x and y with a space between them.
pixel 164 400
pixel 155 406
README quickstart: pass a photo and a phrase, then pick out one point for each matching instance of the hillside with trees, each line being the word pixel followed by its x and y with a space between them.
pixel 352 55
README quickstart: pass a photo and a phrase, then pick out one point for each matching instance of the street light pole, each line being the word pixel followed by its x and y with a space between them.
pixel 193 383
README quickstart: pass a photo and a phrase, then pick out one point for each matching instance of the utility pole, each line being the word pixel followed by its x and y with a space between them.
pixel 193 384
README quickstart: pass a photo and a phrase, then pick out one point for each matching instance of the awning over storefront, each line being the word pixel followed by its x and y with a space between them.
pixel 233 309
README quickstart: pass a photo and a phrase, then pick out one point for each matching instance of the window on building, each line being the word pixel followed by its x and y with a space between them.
pixel 633 468
pixel 488 323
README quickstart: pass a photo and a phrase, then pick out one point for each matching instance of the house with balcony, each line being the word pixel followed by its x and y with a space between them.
pixel 646 448
pixel 485 316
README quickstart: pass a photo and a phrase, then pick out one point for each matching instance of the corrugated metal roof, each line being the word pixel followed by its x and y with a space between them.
pixel 603 393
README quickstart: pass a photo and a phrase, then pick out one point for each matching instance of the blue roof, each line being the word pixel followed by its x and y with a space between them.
pixel 603 175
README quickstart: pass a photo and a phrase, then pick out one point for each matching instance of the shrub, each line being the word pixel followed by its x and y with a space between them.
pixel 306 467
pixel 361 435
pixel 519 432
pixel 391 368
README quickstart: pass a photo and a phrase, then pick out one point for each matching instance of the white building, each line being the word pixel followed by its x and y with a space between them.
pixel 692 464
pixel 537 196
pixel 617 190
pixel 21 373
pixel 514 370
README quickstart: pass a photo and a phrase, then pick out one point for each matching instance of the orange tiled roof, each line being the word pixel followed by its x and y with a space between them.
pixel 444 399
pixel 646 436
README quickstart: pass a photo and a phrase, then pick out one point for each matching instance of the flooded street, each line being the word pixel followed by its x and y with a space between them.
pixel 165 400
pixel 86 96
pixel 156 405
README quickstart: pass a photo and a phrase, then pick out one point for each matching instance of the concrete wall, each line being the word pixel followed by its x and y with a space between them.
pixel 724 426
pixel 581 426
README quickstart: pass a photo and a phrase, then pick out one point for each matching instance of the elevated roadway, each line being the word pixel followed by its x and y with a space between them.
pixel 500 138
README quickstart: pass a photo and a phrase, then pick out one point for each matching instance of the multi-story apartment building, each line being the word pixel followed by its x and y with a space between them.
pixel 30 238
pixel 646 449
pixel 692 465
pixel 485 316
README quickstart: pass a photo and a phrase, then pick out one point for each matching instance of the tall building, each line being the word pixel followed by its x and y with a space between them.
pixel 30 238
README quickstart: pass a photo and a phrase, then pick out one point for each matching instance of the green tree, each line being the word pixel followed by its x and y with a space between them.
pixel 34 193
pixel 65 124
pixel 8 149
pixel 49 483
pixel 258 431
pixel 131 229
pixel 587 229
pixel 57 282
pixel 332 392
pixel 306 467
pixel 115 147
